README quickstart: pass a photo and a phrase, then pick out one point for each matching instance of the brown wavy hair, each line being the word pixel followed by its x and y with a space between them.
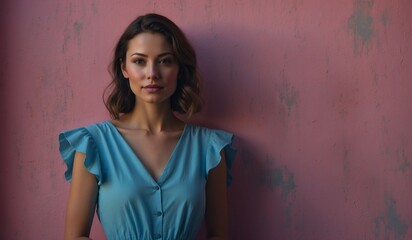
pixel 186 99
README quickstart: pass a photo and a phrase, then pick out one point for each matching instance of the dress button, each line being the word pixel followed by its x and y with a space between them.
pixel 157 236
pixel 156 188
pixel 159 213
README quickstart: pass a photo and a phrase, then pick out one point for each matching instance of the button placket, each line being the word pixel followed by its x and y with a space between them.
pixel 157 212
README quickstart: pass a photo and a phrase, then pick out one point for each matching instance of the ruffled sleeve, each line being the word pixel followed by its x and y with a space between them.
pixel 80 140
pixel 219 140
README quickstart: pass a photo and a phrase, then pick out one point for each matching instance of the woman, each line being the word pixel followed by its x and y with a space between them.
pixel 149 174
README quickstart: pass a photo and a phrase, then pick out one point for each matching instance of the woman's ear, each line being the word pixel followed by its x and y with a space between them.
pixel 123 67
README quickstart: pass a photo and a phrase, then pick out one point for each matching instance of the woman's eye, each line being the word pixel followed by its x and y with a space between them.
pixel 166 61
pixel 139 61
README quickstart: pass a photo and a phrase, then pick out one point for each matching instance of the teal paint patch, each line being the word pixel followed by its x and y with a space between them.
pixel 288 95
pixel 280 177
pixel 346 161
pixel 377 222
pixel 384 19
pixel 78 26
pixel 94 8
pixel 361 24
pixel 283 178
pixel 405 164
pixel 394 222
pixel 390 224
pixel 346 171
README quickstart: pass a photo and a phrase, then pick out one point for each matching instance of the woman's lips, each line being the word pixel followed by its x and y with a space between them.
pixel 152 88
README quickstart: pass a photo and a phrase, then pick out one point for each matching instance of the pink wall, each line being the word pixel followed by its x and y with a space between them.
pixel 318 92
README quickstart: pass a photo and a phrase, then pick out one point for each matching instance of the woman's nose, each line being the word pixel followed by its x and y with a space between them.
pixel 152 71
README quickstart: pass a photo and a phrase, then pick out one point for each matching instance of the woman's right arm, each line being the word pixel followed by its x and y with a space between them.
pixel 82 201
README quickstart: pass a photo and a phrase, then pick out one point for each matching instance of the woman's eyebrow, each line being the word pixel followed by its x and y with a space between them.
pixel 138 54
pixel 164 54
pixel 144 55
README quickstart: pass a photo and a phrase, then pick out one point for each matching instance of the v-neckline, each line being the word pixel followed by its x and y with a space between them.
pixel 168 163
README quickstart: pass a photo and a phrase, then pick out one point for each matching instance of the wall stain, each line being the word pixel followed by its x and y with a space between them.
pixel 288 95
pixel 290 6
pixel 286 180
pixel 72 30
pixel 390 223
pixel 78 27
pixel 345 160
pixel 17 152
pixel 361 23
pixel 65 42
pixel 346 171
pixel 180 6
pixel 405 163
pixel 283 178
pixel 385 125
pixel 94 8
pixel 347 101
pixel 67 36
pixel 279 177
pixel 384 19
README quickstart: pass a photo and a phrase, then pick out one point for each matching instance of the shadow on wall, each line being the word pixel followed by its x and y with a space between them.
pixel 302 109
pixel 247 91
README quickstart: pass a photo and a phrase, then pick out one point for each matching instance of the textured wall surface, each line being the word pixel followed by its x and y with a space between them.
pixel 318 93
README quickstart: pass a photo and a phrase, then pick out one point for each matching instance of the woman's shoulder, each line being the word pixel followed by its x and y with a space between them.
pixel 202 127
pixel 91 127
pixel 206 131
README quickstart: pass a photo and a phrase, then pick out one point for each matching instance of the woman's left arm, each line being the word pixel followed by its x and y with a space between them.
pixel 216 202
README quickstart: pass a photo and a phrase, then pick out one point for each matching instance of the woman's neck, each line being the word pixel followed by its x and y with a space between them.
pixel 154 118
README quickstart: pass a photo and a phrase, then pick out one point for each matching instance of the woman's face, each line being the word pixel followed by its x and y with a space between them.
pixel 151 68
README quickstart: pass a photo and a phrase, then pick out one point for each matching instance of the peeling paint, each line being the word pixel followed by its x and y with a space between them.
pixel 288 95
pixel 280 177
pixel 394 225
pixel 346 170
pixel 286 180
pixel 274 177
pixel 180 6
pixel 385 125
pixel 65 41
pixel 384 19
pixel 361 23
pixel 67 31
pixel 405 163
pixel 345 160
pixel 78 26
pixel 94 8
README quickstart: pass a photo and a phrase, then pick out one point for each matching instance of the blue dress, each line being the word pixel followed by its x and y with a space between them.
pixel 131 204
